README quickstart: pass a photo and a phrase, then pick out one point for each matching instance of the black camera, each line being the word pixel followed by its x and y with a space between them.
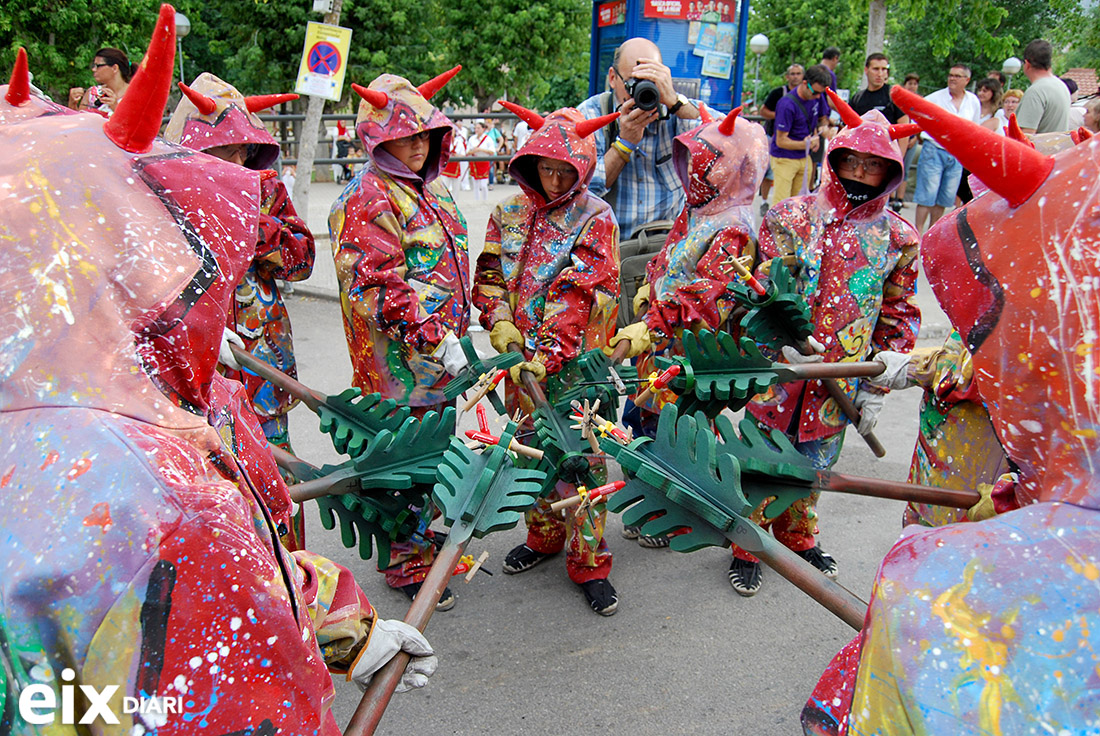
pixel 645 94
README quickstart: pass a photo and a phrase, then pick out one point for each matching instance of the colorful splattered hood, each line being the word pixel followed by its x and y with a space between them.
pixel 393 108
pixel 213 113
pixel 556 138
pixel 721 164
pixel 133 282
pixel 872 136
pixel 1015 271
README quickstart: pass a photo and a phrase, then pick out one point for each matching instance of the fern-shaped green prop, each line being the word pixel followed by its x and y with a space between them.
pixel 780 318
pixel 564 387
pixel 483 493
pixel 372 522
pixel 353 420
pixel 715 374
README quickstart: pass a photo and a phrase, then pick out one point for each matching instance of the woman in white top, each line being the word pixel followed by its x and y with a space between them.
pixel 112 72
pixel 993 117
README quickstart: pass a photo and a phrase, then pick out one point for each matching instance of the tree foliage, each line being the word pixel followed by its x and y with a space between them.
pixel 534 52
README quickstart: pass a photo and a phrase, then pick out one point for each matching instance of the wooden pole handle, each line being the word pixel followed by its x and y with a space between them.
pixel 844 403
pixel 377 696
pixel 895 490
pixel 309 397
pixel 530 383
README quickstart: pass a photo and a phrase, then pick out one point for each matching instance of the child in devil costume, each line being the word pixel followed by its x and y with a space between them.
pixel 721 166
pixel 213 117
pixel 993 627
pixel 548 281
pixel 856 267
pixel 109 389
pixel 401 256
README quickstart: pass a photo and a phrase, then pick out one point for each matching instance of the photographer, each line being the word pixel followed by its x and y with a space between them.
pixel 634 170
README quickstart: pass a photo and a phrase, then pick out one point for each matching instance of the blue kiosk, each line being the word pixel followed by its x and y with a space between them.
pixel 703 42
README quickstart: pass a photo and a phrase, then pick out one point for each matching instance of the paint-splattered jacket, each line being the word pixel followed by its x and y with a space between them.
pixel 956 445
pixel 401 253
pixel 688 278
pixel 284 248
pixel 552 268
pixel 140 543
pixel 857 269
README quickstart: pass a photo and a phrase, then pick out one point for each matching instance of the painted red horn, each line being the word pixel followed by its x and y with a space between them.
pixel 1080 135
pixel 726 126
pixel 136 121
pixel 586 128
pixel 255 103
pixel 1008 167
pixel 1012 130
pixel 19 88
pixel 206 105
pixel 850 117
pixel 903 130
pixel 704 114
pixel 375 97
pixel 532 118
pixel 432 86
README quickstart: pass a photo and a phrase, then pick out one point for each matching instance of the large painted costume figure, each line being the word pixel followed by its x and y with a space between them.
pixel 721 166
pixel 400 247
pixel 213 116
pixel 402 263
pixel 548 280
pixel 856 267
pixel 994 627
pixel 139 517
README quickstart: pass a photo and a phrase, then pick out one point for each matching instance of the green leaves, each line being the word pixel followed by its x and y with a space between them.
pixel 686 478
pixel 781 318
pixel 480 494
pixel 717 372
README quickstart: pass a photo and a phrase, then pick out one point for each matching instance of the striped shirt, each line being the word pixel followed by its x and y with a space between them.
pixel 648 187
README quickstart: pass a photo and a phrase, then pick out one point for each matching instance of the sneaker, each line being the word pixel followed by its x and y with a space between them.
pixel 601 595
pixel 896 205
pixel 821 560
pixel 745 577
pixel 763 209
pixel 446 601
pixel 658 542
pixel 523 558
pixel 631 532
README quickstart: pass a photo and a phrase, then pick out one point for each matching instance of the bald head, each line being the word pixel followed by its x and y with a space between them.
pixel 627 55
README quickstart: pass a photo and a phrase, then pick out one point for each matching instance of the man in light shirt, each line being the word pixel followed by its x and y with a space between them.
pixel 938 172
pixel 1045 107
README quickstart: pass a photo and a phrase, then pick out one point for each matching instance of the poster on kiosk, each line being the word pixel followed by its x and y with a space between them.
pixel 701 41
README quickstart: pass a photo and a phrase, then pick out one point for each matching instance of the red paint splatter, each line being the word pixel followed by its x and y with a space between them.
pixel 50 459
pixel 80 467
pixel 7 476
pixel 100 516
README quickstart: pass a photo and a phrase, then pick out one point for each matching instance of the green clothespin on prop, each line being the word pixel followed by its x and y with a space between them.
pixel 477 494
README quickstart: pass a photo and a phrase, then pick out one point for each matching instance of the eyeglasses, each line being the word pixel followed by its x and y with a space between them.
pixel 563 172
pixel 95 66
pixel 851 162
pixel 958 76
pixel 421 137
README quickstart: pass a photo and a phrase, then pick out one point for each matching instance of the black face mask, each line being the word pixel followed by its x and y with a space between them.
pixel 858 192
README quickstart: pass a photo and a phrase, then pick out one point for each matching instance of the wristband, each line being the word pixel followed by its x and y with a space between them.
pixel 621 150
pixel 632 147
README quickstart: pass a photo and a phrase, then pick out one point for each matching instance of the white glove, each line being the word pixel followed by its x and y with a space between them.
pixel 896 374
pixel 870 406
pixel 449 352
pixel 387 638
pixel 225 355
pixel 796 358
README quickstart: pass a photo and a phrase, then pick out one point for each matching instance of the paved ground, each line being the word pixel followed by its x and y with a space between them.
pixel 685 654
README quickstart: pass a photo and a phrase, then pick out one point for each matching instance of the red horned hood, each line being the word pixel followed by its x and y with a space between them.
pixel 871 136
pixel 720 171
pixel 556 139
pixel 225 121
pixel 404 112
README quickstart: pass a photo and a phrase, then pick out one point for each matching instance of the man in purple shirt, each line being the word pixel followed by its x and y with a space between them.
pixel 798 116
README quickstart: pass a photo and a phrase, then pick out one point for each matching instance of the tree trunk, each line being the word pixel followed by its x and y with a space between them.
pixel 876 27
pixel 307 142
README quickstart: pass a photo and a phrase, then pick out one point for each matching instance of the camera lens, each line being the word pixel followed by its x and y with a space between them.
pixel 645 94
